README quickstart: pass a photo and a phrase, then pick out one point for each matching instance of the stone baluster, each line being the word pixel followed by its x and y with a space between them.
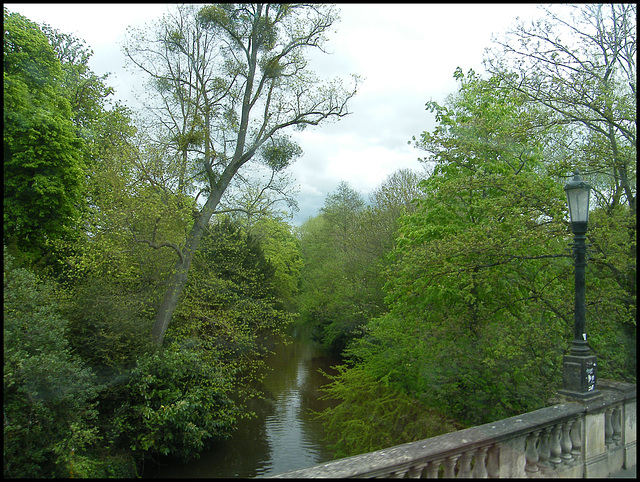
pixel 464 470
pixel 433 468
pixel 554 447
pixel 543 449
pixel 450 466
pixel 415 471
pixel 531 452
pixel 565 442
pixel 616 419
pixel 493 461
pixel 395 474
pixel 608 428
pixel 480 469
pixel 576 439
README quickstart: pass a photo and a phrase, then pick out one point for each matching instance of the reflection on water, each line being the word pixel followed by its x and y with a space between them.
pixel 283 436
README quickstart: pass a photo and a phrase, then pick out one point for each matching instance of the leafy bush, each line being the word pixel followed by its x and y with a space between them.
pixel 48 393
pixel 109 322
pixel 176 401
pixel 373 415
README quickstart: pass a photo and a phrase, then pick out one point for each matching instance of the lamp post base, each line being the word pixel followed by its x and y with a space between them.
pixel 579 376
pixel 579 396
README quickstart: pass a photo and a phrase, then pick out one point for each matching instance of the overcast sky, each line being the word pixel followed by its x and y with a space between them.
pixel 407 54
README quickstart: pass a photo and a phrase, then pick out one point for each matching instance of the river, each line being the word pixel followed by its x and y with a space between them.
pixel 283 436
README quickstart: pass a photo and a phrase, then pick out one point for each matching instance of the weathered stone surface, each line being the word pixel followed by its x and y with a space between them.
pixel 594 445
pixel 630 433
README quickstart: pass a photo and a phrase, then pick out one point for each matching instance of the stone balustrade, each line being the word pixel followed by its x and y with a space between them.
pixel 589 439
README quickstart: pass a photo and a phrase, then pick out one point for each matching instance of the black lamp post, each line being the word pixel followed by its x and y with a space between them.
pixel 579 367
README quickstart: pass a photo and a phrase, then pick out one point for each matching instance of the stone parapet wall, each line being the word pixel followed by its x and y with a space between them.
pixel 576 439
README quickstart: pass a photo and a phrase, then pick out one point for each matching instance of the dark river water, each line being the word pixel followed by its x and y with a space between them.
pixel 284 436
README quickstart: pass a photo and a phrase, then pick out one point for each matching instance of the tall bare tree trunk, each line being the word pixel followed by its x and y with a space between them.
pixel 179 277
pixel 170 301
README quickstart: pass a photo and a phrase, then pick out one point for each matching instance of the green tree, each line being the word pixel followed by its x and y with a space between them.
pixel 480 293
pixel 48 397
pixel 579 62
pixel 333 299
pixel 230 316
pixel 107 264
pixel 43 169
pixel 231 80
pixel 341 209
pixel 476 265
pixel 345 252
pixel 88 93
pixel 282 251
pixel 106 129
pixel 231 304
pixel 395 197
pixel 479 263
pixel 177 400
pixel 373 415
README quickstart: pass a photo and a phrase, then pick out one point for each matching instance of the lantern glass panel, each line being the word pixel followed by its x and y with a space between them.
pixel 578 200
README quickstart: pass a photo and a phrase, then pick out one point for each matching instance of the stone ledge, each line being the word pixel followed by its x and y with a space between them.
pixel 609 392
pixel 401 457
pixel 439 447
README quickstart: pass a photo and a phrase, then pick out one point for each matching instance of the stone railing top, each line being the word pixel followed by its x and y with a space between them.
pixel 610 392
pixel 622 390
pixel 440 447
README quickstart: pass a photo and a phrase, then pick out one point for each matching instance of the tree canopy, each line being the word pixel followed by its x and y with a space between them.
pixel 87 393
pixel 43 168
pixel 479 289
pixel 230 80
pixel 579 62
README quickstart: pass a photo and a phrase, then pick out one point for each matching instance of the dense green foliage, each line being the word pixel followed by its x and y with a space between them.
pixel 43 168
pixel 49 397
pixel 230 307
pixel 334 295
pixel 374 415
pixel 481 250
pixel 479 283
pixel 344 250
pixel 282 251
pixel 177 400
pixel 87 392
